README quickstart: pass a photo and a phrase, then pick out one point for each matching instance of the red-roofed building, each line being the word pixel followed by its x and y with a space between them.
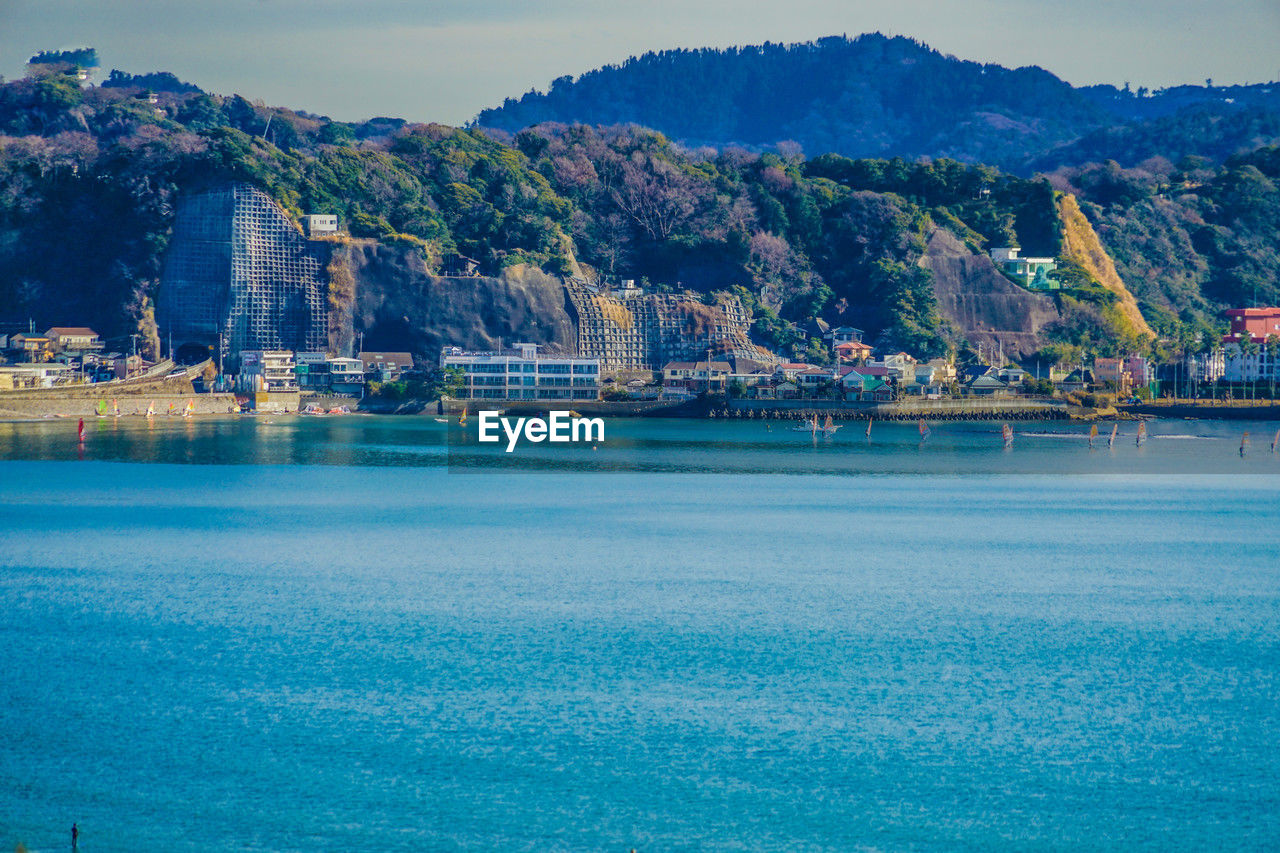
pixel 1258 323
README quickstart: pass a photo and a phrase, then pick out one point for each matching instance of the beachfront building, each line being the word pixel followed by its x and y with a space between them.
pixel 385 366
pixel 1251 348
pixel 268 371
pixel 696 376
pixel 522 373
pixel 1031 273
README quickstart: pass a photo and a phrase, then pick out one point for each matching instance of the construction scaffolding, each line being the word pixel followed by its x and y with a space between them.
pixel 637 330
pixel 239 272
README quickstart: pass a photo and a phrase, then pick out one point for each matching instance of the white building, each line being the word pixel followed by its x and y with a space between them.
pixel 522 374
pixel 271 371
pixel 320 223
pixel 1258 366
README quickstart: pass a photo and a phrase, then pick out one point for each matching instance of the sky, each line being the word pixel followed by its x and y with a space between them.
pixel 445 60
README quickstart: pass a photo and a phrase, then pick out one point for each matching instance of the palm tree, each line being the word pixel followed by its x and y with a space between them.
pixel 1249 347
pixel 1273 347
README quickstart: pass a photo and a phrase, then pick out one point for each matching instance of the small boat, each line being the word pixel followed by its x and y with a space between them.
pixel 311 409
pixel 340 410
pixel 809 425
pixel 1142 433
pixel 1115 428
pixel 441 420
pixel 1007 432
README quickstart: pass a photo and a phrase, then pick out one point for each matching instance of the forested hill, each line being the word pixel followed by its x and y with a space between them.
pixel 90 177
pixel 874 96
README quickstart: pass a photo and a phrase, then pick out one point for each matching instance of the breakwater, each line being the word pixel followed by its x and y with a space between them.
pixel 900 410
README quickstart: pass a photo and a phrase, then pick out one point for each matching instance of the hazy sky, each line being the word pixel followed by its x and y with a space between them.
pixel 445 60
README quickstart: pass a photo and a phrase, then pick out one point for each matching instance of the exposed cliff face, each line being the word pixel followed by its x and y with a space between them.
pixel 1081 244
pixel 983 305
pixel 400 306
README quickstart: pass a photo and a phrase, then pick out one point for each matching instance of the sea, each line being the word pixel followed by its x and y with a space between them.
pixel 290 633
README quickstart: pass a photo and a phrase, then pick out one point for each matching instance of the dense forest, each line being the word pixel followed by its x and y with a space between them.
pixel 89 177
pixel 874 96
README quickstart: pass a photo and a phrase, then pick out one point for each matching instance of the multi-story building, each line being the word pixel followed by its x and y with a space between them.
pixel 269 371
pixel 1257 323
pixel 522 373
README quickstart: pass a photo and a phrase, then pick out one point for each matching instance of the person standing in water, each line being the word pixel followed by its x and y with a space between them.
pixel 75 837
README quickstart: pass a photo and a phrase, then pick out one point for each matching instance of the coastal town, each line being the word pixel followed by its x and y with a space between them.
pixel 1241 366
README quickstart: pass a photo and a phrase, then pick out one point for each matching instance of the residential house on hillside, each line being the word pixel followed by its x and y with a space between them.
pixel 30 349
pixel 851 351
pixel 74 340
pixel 1031 273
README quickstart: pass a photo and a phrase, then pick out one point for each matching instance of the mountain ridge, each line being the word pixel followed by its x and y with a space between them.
pixel 876 96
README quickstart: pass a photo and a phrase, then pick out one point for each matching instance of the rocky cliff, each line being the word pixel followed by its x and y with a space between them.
pixel 399 305
pixel 983 305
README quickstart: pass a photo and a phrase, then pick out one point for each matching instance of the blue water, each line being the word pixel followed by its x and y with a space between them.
pixel 365 651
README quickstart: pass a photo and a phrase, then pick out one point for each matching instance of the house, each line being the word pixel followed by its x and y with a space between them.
pixel 385 366
pixel 1077 380
pixel 316 224
pixel 346 375
pixel 986 385
pixel 900 365
pixel 1012 375
pixel 843 335
pixel 814 381
pixel 788 370
pixel 1114 373
pixel 852 351
pixel 856 385
pixel 1141 370
pixel 1031 273
pixel 696 376
pixel 73 340
pixel 31 349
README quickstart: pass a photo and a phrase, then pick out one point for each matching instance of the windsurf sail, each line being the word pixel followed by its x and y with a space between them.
pixel 870 421
pixel 1142 432
pixel 1093 434
pixel 1007 432
pixel 924 429
pixel 1115 428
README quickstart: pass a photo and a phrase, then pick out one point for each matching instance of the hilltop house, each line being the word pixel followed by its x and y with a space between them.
pixel 1031 273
